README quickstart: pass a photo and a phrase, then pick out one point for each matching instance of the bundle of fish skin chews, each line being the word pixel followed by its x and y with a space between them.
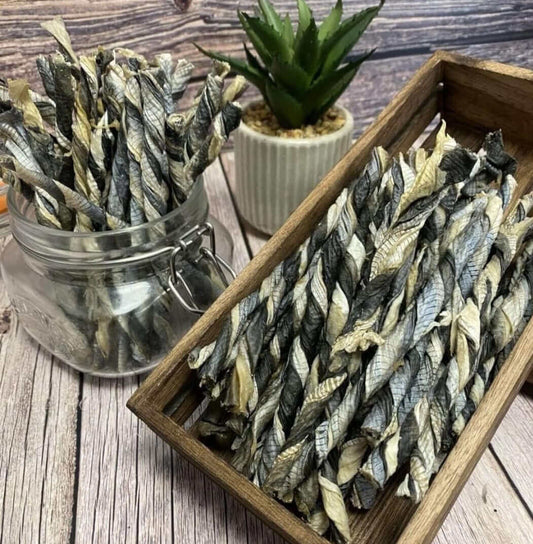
pixel 112 147
pixel 107 148
pixel 370 347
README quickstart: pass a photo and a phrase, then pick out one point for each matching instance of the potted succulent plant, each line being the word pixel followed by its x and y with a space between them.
pixel 291 138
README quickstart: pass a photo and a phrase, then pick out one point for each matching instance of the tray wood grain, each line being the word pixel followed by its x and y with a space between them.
pixel 472 96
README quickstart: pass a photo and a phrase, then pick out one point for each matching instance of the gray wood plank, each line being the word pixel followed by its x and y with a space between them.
pixel 513 446
pixel 488 510
pixel 152 25
pixel 38 406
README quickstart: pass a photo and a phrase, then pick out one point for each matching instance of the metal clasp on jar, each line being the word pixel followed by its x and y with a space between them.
pixel 176 278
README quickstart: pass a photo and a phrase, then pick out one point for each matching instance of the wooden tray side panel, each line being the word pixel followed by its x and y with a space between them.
pixel 488 95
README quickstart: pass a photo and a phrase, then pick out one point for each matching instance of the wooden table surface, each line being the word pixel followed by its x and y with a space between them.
pixel 76 466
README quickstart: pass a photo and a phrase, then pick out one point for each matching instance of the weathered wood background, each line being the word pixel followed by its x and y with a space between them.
pixel 405 34
pixel 75 465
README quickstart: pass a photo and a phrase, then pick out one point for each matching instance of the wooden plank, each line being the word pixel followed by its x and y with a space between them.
pixel 151 25
pixel 487 511
pixel 38 415
pixel 512 445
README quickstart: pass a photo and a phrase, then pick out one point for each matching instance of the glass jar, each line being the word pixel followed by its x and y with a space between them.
pixel 114 303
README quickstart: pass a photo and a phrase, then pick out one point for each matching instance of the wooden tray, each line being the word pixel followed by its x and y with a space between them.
pixel 473 97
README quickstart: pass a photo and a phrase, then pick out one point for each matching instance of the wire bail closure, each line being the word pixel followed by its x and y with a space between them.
pixel 176 279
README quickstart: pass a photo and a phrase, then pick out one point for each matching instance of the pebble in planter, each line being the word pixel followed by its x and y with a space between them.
pixel 291 138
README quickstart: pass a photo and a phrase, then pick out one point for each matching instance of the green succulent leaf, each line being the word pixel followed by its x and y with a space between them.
pixel 288 31
pixel 254 74
pixel 325 92
pixel 262 51
pixel 254 63
pixel 271 15
pixel 266 41
pixel 304 17
pixel 345 37
pixel 331 22
pixel 291 76
pixel 287 109
pixel 306 49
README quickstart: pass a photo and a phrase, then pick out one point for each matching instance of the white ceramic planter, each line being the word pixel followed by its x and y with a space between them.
pixel 273 175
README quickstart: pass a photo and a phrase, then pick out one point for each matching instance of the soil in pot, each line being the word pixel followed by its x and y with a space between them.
pixel 260 118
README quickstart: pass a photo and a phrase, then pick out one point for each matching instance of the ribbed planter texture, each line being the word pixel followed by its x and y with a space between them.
pixel 273 174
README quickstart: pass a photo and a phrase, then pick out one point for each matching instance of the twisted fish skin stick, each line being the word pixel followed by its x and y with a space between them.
pixel 85 113
pixel 64 99
pixel 154 167
pixel 98 162
pixel 224 123
pixel 175 139
pixel 208 106
pixel 134 129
